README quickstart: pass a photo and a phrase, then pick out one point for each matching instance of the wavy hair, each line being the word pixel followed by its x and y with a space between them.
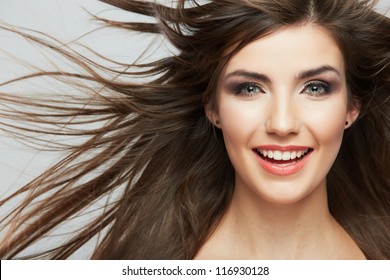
pixel 150 159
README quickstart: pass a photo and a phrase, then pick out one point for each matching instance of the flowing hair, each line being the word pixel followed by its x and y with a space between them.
pixel 152 168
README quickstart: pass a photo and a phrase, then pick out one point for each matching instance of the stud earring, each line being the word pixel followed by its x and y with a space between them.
pixel 217 122
pixel 346 123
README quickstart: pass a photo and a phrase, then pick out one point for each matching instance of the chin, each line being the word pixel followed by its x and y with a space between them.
pixel 287 192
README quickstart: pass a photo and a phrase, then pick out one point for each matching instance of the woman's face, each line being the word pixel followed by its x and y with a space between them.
pixel 282 107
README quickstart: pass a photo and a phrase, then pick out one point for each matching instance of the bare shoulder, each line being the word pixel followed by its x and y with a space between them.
pixel 345 248
pixel 211 251
pixel 218 247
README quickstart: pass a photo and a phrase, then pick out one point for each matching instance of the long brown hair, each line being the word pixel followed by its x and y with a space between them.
pixel 157 165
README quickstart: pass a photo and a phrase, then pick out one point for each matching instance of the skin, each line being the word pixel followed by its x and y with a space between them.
pixel 277 93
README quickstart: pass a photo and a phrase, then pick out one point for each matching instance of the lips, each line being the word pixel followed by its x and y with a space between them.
pixel 282 155
pixel 282 160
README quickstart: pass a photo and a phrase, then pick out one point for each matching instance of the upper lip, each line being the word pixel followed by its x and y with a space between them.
pixel 282 148
pixel 283 153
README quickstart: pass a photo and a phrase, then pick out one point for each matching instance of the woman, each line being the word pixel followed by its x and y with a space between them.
pixel 265 136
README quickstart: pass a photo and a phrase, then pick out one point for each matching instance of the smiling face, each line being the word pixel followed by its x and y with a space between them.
pixel 282 106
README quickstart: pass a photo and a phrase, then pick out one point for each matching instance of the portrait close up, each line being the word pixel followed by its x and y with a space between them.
pixel 195 129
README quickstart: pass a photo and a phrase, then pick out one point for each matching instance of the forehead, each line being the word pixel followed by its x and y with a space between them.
pixel 290 49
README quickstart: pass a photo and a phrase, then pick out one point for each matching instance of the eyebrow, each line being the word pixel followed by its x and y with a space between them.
pixel 316 71
pixel 301 76
pixel 250 75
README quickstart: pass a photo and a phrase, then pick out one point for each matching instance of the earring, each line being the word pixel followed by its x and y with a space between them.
pixel 217 122
pixel 346 123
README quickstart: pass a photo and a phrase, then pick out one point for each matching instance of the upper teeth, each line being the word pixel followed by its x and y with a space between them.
pixel 282 155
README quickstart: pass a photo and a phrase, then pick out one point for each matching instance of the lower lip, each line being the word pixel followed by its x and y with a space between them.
pixel 282 169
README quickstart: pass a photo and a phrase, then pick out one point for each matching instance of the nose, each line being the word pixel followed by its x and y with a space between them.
pixel 283 117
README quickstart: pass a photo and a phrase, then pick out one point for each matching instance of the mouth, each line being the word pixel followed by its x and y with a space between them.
pixel 282 157
pixel 283 160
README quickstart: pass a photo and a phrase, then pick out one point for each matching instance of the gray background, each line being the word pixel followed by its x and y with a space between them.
pixel 65 20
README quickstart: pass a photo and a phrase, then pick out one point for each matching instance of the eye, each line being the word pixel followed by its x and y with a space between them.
pixel 316 88
pixel 247 89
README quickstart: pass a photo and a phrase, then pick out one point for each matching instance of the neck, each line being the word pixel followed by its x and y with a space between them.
pixel 256 229
pixel 279 231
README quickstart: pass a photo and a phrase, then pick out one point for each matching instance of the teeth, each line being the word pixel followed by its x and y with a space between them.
pixel 278 155
pixel 286 155
pixel 282 155
pixel 293 155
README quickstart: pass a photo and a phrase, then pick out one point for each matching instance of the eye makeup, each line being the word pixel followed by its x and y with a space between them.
pixel 316 88
pixel 245 88
pixel 315 82
pixel 313 88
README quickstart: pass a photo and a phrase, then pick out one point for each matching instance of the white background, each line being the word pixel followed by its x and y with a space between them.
pixel 66 20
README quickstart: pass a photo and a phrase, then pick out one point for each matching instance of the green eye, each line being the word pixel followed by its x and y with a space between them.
pixel 247 89
pixel 316 88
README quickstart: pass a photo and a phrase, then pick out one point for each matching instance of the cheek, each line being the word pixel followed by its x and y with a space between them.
pixel 239 120
pixel 327 123
pixel 324 120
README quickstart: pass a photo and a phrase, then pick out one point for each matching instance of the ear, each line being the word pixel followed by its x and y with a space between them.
pixel 353 113
pixel 212 114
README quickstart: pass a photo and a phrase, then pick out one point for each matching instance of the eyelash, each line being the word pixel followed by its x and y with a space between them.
pixel 238 89
pixel 325 87
pixel 321 85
